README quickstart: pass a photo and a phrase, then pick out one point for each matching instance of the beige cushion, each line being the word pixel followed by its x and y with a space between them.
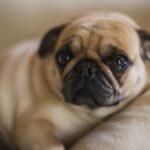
pixel 127 130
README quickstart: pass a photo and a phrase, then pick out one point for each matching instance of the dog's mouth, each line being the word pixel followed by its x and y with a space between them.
pixel 84 97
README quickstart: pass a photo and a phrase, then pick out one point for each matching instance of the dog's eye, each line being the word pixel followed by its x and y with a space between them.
pixel 120 62
pixel 63 57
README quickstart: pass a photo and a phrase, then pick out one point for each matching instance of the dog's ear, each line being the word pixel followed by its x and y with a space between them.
pixel 49 40
pixel 145 43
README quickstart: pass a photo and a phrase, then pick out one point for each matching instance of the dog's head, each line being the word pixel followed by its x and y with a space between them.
pixel 97 60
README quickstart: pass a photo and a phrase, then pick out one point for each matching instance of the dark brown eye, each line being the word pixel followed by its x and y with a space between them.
pixel 120 63
pixel 63 57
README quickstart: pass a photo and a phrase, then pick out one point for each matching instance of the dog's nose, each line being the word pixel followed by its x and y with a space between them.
pixel 86 67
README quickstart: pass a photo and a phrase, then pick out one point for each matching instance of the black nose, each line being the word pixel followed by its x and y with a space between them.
pixel 86 67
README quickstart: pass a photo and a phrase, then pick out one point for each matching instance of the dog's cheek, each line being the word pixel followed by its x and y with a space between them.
pixel 135 79
pixel 56 79
pixel 53 75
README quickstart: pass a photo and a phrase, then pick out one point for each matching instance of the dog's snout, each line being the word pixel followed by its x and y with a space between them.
pixel 86 67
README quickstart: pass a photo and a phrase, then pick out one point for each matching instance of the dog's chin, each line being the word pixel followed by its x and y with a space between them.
pixel 84 97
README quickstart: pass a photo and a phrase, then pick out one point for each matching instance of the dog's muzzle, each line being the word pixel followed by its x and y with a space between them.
pixel 86 84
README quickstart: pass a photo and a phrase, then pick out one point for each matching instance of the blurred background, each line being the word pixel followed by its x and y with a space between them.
pixel 24 19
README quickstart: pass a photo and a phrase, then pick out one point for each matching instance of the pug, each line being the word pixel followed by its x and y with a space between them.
pixel 81 72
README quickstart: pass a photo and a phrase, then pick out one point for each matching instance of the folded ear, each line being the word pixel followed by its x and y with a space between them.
pixel 145 42
pixel 49 40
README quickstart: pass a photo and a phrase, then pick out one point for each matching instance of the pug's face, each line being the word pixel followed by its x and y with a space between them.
pixel 96 61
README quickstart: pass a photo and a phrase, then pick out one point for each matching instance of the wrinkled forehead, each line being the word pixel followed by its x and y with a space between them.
pixel 102 32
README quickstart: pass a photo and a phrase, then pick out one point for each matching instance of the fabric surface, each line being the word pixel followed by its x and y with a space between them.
pixel 126 130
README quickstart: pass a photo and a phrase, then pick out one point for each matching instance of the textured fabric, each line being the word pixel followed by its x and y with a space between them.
pixel 127 130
